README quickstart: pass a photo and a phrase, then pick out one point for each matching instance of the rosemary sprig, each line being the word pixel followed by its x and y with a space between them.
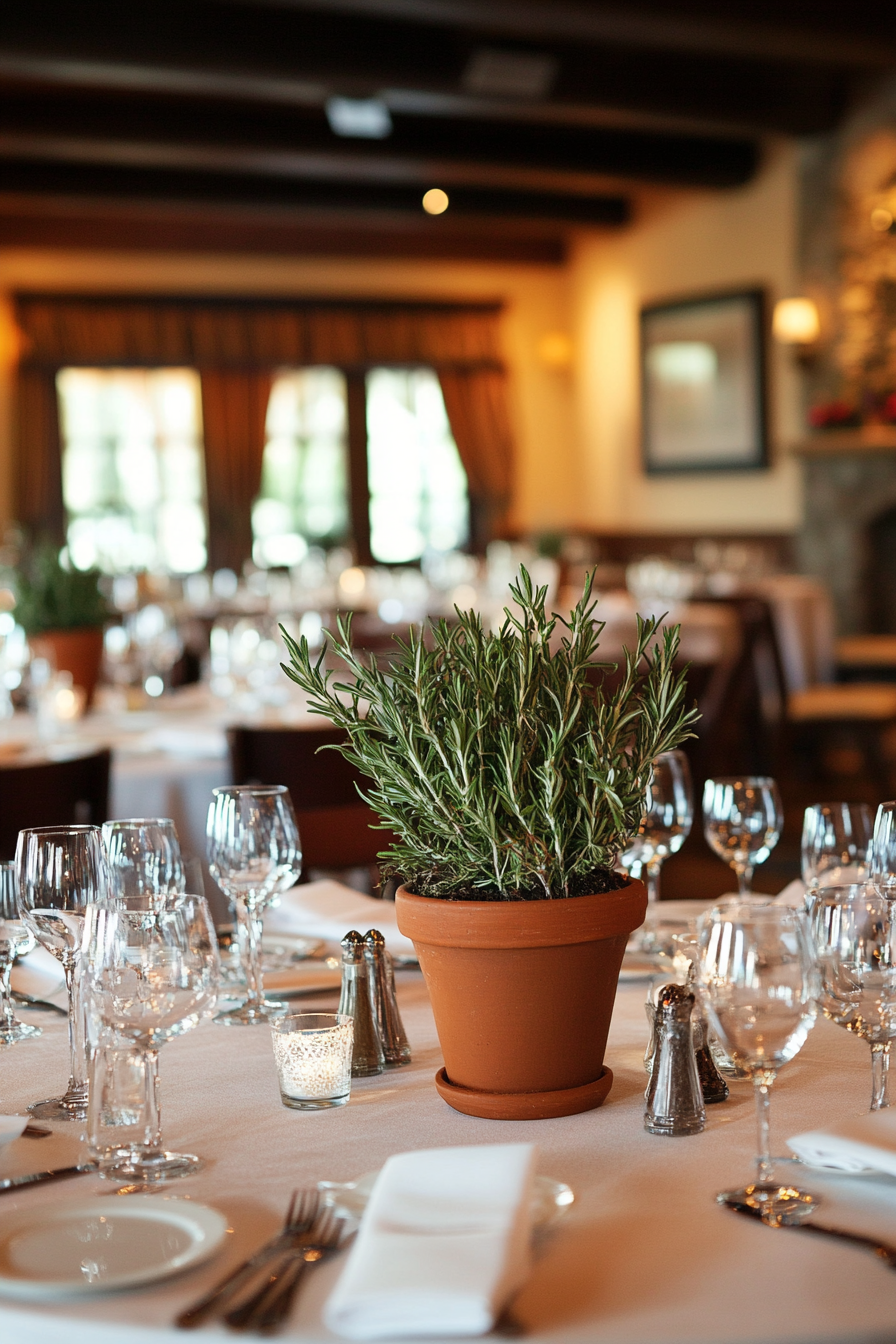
pixel 505 762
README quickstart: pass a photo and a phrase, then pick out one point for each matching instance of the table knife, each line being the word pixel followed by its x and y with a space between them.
pixel 59 1174
pixel 881 1249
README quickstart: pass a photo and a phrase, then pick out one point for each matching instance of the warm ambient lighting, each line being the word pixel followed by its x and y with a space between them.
pixel 795 322
pixel 881 219
pixel 435 202
pixel 555 350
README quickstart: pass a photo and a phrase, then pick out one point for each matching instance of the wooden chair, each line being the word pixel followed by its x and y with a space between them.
pixel 74 791
pixel 335 825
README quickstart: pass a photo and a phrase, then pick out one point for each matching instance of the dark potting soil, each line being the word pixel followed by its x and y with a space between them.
pixel 594 883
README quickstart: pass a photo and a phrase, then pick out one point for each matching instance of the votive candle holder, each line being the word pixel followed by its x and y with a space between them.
pixel 313 1052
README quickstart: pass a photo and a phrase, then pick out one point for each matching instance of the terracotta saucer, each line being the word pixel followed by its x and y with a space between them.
pixel 524 1105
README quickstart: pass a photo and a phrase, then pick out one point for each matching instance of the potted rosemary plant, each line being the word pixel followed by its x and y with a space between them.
pixel 62 611
pixel 512 769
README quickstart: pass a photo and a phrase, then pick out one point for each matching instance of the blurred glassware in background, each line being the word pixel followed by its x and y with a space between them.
pixel 883 851
pixel 742 820
pixel 836 844
pixel 854 939
pixel 156 640
pixel 667 821
pixel 16 940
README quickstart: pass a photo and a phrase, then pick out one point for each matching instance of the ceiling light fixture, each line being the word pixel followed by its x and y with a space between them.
pixel 435 201
pixel 360 118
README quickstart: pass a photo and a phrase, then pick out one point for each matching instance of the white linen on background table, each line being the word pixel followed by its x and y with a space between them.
pixel 645 1254
pixel 444 1242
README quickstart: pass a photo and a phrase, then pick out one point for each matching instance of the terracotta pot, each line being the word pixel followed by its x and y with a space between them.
pixel 77 651
pixel 522 993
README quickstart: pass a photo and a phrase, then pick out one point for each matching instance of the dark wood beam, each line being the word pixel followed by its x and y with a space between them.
pixel 98 225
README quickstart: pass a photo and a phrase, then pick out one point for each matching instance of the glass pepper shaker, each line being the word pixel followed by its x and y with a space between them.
pixel 674 1096
pixel 396 1049
pixel 357 1001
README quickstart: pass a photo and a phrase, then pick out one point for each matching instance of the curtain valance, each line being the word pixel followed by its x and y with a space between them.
pixel 59 330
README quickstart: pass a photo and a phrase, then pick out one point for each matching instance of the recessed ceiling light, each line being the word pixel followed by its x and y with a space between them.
pixel 435 202
pixel 363 118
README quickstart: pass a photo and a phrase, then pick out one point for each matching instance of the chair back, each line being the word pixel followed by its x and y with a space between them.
pixel 74 791
pixel 334 823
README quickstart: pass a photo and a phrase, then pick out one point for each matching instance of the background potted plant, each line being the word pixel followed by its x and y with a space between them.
pixel 512 768
pixel 62 611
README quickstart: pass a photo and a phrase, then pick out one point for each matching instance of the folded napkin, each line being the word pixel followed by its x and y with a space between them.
pixel 794 894
pixel 866 1141
pixel 11 1127
pixel 328 909
pixel 443 1244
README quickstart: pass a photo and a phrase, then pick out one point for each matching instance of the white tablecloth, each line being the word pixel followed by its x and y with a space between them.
pixel 644 1255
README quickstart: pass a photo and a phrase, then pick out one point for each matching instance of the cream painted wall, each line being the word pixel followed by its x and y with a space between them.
pixel 537 301
pixel 689 243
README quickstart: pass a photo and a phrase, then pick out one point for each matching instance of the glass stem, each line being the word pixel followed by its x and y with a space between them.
pixel 745 880
pixel 77 1034
pixel 250 918
pixel 880 1074
pixel 653 882
pixel 153 1114
pixel 765 1168
pixel 7 1012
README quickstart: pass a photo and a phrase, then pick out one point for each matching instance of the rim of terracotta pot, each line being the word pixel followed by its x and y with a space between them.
pixel 576 919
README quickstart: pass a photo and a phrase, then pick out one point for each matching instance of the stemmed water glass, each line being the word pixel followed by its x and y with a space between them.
pixel 883 851
pixel 144 858
pixel 666 824
pixel 15 939
pixel 254 855
pixel 836 844
pixel 758 983
pixel 856 947
pixel 150 975
pixel 742 821
pixel 61 870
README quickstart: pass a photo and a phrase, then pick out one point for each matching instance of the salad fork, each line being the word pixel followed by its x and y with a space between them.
pixel 300 1218
pixel 266 1309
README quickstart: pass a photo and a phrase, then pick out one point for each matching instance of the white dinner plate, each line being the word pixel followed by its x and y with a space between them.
pixel 77 1249
pixel 550 1199
pixel 306 977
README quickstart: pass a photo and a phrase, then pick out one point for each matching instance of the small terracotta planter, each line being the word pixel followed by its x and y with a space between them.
pixel 78 651
pixel 523 993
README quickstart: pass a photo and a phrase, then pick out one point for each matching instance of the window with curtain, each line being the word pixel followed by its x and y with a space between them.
pixel 132 469
pixel 417 485
pixel 304 474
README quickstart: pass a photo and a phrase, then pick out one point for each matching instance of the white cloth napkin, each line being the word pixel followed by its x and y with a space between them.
pixel 794 894
pixel 866 1141
pixel 328 909
pixel 443 1244
pixel 11 1127
pixel 41 975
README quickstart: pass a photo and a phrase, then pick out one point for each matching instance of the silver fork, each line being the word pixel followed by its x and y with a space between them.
pixel 266 1310
pixel 300 1218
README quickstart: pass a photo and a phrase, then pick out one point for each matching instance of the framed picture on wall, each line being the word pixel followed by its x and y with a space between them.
pixel 703 404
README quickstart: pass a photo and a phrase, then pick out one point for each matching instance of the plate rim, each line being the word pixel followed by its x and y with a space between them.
pixel 211 1222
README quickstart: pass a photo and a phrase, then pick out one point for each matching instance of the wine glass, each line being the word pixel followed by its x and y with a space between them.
pixel 742 821
pixel 666 824
pixel 883 851
pixel 856 946
pixel 15 939
pixel 144 858
pixel 61 870
pixel 150 974
pixel 758 982
pixel 836 844
pixel 254 855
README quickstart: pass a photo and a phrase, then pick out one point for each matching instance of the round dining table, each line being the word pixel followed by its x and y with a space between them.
pixel 644 1254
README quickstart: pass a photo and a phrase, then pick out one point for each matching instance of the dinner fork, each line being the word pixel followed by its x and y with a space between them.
pixel 300 1218
pixel 266 1309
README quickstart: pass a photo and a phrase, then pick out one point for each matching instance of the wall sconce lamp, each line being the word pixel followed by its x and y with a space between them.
pixel 795 322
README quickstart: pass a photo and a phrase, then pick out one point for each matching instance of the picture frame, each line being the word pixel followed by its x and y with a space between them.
pixel 703 383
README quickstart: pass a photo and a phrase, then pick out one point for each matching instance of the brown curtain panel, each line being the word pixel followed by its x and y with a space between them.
pixel 234 405
pixel 476 402
pixel 37 482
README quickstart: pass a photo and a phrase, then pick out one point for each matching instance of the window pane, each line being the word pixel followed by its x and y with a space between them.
pixel 133 478
pixel 304 476
pixel 418 487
